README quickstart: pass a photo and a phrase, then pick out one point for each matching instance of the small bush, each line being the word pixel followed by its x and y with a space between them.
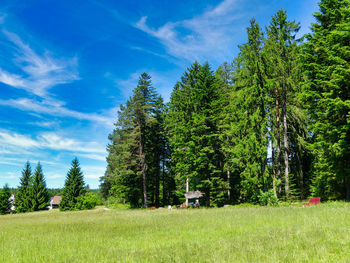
pixel 268 198
pixel 114 203
pixel 87 201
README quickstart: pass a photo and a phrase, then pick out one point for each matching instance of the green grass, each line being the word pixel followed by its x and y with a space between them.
pixel 244 234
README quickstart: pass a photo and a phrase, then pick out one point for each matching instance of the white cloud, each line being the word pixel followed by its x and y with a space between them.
pixel 208 31
pixel 93 172
pixel 54 175
pixel 48 140
pixel 19 161
pixel 2 18
pixel 55 107
pixel 40 73
pixel 44 124
pixel 98 157
pixel 17 140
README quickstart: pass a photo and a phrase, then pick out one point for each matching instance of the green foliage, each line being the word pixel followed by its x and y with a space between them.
pixel 114 202
pixel 326 63
pixel 5 204
pixel 87 201
pixel 277 118
pixel 137 160
pixel 22 198
pixel 73 187
pixel 54 191
pixel 268 198
pixel 192 127
pixel 38 193
pixel 244 123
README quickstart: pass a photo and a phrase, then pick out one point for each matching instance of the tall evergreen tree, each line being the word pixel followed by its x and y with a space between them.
pixel 133 171
pixel 283 77
pixel 5 204
pixel 225 119
pixel 22 200
pixel 192 120
pixel 73 187
pixel 39 195
pixel 247 117
pixel 326 90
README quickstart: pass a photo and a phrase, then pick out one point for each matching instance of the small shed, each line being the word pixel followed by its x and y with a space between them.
pixel 55 202
pixel 193 197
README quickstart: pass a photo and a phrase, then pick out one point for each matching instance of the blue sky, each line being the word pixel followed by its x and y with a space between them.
pixel 66 66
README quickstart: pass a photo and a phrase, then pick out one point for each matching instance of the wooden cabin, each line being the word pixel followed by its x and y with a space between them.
pixel 192 197
pixel 55 202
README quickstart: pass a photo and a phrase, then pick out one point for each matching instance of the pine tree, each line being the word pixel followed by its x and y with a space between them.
pixel 281 54
pixel 327 95
pixel 22 200
pixel 133 171
pixel 248 127
pixel 225 86
pixel 73 187
pixel 38 193
pixel 5 204
pixel 192 125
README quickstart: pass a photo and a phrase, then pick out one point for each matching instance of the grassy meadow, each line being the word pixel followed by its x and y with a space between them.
pixel 244 234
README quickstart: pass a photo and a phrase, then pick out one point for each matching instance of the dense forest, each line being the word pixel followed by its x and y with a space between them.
pixel 274 121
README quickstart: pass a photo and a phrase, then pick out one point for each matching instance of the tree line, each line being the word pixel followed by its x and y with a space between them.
pixel 33 195
pixel 274 121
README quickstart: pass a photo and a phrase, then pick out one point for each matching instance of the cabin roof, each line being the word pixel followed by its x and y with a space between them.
pixel 193 194
pixel 56 200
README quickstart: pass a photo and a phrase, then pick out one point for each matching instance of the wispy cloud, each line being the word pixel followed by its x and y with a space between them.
pixel 57 108
pixel 93 172
pixel 204 33
pixel 48 140
pixel 2 18
pixel 19 161
pixel 40 72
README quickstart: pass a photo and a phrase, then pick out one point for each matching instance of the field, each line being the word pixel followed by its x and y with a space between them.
pixel 246 234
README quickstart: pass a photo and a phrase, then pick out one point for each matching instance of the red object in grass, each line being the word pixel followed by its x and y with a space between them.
pixel 313 201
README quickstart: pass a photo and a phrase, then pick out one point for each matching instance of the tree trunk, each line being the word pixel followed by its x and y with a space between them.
pixel 301 176
pixel 165 201
pixel 273 170
pixel 157 188
pixel 187 190
pixel 144 181
pixel 278 139
pixel 347 190
pixel 143 169
pixel 286 151
pixel 346 179
pixel 229 186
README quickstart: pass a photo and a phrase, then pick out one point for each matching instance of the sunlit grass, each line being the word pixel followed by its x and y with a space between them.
pixel 248 234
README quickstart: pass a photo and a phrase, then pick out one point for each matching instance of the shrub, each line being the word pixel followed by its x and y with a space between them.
pixel 114 203
pixel 268 198
pixel 87 201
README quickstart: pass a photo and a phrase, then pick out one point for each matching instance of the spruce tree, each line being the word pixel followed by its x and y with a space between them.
pixel 225 86
pixel 38 193
pixel 5 204
pixel 73 187
pixel 192 124
pixel 22 200
pixel 246 118
pixel 326 63
pixel 133 171
pixel 281 54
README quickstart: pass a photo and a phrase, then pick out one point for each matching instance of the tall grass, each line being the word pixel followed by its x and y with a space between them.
pixel 252 234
